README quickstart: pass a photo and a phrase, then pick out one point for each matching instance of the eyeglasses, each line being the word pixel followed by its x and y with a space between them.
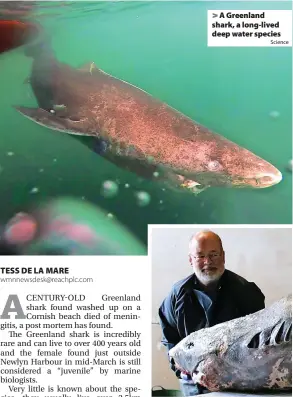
pixel 213 255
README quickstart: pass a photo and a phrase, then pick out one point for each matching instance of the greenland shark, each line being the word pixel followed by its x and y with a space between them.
pixel 136 131
pixel 250 353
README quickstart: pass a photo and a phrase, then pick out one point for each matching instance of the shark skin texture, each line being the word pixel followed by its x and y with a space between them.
pixel 247 354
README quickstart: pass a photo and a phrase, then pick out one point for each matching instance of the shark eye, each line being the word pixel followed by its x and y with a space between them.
pixel 214 165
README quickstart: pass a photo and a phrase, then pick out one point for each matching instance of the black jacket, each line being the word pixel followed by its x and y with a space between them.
pixel 182 311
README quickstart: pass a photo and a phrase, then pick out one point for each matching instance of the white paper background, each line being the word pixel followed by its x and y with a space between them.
pixel 112 276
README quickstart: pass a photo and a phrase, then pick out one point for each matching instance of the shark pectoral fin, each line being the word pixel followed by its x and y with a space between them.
pixel 52 121
pixel 42 117
pixel 31 113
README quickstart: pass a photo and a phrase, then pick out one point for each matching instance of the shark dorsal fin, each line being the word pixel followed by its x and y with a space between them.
pixel 88 67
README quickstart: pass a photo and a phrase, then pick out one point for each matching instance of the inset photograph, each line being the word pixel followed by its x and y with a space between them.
pixel 221 310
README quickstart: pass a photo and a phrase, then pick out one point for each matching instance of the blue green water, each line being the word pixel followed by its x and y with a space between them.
pixel 160 47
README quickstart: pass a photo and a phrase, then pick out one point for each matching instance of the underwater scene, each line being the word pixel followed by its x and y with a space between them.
pixel 117 115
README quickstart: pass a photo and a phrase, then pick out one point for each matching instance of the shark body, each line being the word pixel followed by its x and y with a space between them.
pixel 138 132
pixel 251 353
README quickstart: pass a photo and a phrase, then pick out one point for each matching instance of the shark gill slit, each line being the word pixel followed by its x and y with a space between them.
pixel 280 333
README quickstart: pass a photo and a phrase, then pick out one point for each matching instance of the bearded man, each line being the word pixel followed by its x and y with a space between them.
pixel 211 295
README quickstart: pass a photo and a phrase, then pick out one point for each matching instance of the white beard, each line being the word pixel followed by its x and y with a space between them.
pixel 208 278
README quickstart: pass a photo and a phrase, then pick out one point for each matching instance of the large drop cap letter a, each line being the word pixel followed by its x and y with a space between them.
pixel 13 299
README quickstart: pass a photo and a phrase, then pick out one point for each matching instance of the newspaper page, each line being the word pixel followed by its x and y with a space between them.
pixel 116 115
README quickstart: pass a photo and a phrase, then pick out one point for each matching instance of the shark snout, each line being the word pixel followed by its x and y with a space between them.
pixel 255 172
pixel 269 179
